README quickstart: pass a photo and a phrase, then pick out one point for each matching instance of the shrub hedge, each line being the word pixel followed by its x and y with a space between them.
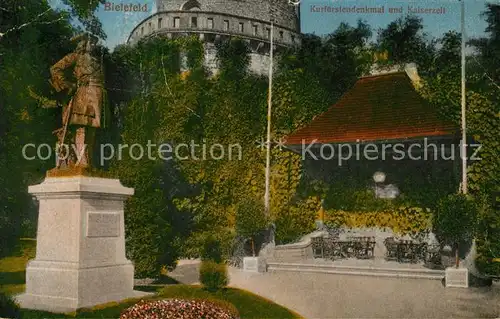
pixel 8 308
pixel 213 275
pixel 403 220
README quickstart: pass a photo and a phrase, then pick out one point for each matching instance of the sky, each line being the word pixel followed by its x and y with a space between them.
pixel 118 25
pixel 435 24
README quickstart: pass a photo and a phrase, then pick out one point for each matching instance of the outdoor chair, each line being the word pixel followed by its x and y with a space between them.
pixel 433 256
pixel 370 247
pixel 407 251
pixel 318 247
pixel 333 248
pixel 364 247
pixel 392 249
pixel 422 252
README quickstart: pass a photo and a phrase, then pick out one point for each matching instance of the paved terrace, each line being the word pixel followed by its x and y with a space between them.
pixel 347 296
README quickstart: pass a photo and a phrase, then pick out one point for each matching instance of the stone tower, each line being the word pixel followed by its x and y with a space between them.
pixel 219 20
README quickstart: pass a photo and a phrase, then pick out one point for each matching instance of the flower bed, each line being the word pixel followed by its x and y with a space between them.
pixel 180 309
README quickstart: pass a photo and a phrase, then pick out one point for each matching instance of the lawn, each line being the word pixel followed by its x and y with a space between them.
pixel 12 269
pixel 12 279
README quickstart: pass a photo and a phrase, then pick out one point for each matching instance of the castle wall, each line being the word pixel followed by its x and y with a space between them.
pixel 284 13
pixel 219 20
pixel 259 64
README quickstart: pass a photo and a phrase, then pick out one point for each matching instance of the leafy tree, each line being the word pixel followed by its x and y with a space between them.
pixel 405 42
pixel 333 62
pixel 32 38
pixel 448 56
pixel 250 220
pixel 489 47
pixel 152 220
pixel 84 11
pixel 455 221
pixel 484 174
pixel 443 90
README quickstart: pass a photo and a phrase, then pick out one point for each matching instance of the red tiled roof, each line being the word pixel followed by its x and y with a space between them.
pixel 381 107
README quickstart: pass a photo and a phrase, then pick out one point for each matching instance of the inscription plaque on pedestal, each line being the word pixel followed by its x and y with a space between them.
pixel 101 224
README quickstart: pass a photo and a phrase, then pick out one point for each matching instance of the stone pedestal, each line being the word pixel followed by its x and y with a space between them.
pixel 457 277
pixel 80 251
pixel 254 264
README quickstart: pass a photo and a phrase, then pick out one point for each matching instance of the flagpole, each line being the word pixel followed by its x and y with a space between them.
pixel 464 133
pixel 269 106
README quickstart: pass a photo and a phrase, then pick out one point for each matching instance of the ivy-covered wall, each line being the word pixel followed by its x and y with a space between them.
pixel 350 186
pixel 402 220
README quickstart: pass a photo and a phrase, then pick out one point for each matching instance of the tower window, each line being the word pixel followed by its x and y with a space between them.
pixel 159 22
pixel 142 30
pixel 255 30
pixel 293 38
pixel 194 22
pixel 241 27
pixel 150 27
pixel 226 25
pixel 268 33
pixel 210 23
pixel 281 35
pixel 177 22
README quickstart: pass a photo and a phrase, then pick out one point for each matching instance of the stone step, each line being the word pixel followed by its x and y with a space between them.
pixel 358 270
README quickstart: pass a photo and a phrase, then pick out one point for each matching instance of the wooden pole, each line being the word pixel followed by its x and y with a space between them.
pixel 269 107
pixel 464 127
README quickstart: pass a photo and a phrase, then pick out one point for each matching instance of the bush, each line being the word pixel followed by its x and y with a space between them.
pixel 202 244
pixel 250 220
pixel 212 249
pixel 8 234
pixel 454 221
pixel 488 234
pixel 179 308
pixel 8 308
pixel 293 222
pixel 213 275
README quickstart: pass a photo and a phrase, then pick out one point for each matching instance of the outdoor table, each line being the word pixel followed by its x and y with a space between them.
pixel 331 247
pixel 358 246
pixel 407 250
pixel 334 248
pixel 363 246
pixel 404 250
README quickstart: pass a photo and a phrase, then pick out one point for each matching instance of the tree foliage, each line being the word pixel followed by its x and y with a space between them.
pixel 26 54
pixel 405 42
pixel 483 123
pixel 250 219
pixel 455 221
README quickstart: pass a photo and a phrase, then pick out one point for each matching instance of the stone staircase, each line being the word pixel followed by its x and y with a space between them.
pixel 292 253
pixel 376 271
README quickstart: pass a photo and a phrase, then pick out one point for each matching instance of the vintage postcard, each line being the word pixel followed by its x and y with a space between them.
pixel 249 159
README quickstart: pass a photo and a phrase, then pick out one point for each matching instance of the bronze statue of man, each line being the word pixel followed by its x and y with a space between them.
pixel 82 115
